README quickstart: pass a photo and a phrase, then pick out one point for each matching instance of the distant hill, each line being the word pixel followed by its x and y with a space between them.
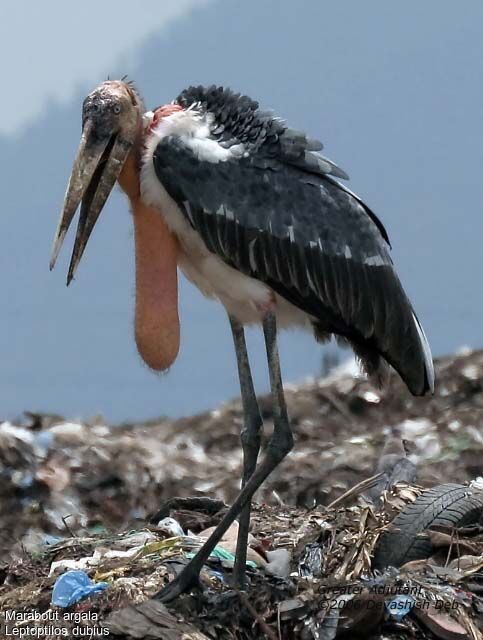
pixel 395 95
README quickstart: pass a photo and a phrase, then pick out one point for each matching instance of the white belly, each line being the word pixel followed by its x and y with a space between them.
pixel 243 297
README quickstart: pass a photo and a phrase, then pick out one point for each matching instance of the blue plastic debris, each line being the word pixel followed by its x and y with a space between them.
pixel 216 574
pixel 44 440
pixel 400 606
pixel 51 540
pixel 72 586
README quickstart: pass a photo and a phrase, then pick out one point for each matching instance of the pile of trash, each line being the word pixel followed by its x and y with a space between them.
pixel 309 574
pixel 58 476
pixel 82 534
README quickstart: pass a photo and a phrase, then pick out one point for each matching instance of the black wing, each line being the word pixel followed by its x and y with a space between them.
pixel 276 217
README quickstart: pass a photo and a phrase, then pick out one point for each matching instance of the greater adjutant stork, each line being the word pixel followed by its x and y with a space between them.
pixel 254 216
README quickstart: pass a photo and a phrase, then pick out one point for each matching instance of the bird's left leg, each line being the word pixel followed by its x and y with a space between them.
pixel 279 445
pixel 250 440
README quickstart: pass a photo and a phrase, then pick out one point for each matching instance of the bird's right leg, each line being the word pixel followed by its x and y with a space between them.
pixel 250 440
pixel 279 445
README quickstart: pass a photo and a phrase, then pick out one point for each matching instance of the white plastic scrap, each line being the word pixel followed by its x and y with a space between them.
pixel 427 446
pixel 412 428
pixel 66 564
pixel 370 396
pixel 69 432
pixel 358 439
pixel 137 539
pixel 278 562
pixel 471 372
pixel 94 560
pixel 463 350
pixel 20 433
pixel 475 434
pixel 349 369
pixel 477 483
pixel 171 526
pixel 454 425
pixel 116 553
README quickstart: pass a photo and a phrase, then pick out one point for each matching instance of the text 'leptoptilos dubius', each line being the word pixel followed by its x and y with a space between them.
pixel 254 216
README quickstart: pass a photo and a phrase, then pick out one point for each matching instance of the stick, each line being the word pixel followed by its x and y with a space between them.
pixel 356 490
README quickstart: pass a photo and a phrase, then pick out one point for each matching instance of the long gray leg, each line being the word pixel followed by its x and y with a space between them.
pixel 281 441
pixel 278 447
pixel 250 440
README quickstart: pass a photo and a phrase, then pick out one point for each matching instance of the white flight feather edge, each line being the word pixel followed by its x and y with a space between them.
pixel 428 358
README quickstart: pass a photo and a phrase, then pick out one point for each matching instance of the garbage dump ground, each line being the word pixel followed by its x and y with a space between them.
pixel 81 497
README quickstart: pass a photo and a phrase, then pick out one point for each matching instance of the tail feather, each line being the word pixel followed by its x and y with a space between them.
pixel 407 351
pixel 428 358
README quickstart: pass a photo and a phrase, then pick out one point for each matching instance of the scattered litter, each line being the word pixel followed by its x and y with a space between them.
pixel 253 557
pixel 230 534
pixel 278 562
pixel 400 606
pixel 454 425
pixel 442 625
pixel 171 526
pixel 73 586
pixel 289 609
pixel 370 396
pixel 227 558
pixel 413 428
pixel 310 563
pixel 332 549
pixel 471 372
pixel 66 564
pixel 68 433
pixel 50 540
pixel 477 483
pixel 56 473
pixel 136 538
pixel 82 497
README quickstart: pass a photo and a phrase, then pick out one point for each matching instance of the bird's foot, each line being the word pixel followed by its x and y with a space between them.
pixel 239 578
pixel 184 582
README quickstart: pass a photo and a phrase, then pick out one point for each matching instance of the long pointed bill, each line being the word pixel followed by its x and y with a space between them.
pixel 85 163
pixel 96 168
pixel 98 191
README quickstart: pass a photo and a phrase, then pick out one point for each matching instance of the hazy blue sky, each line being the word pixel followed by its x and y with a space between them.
pixel 50 48
pixel 395 92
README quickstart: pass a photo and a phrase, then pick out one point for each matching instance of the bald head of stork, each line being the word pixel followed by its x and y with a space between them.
pixel 110 151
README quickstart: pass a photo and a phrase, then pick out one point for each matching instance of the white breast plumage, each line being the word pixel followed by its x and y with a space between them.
pixel 242 296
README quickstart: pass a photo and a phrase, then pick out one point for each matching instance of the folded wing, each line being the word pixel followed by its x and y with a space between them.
pixel 273 210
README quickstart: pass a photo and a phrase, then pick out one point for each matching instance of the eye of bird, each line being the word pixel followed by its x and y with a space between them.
pixel 117 109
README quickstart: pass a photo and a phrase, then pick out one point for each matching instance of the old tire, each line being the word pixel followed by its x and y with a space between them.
pixel 451 505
